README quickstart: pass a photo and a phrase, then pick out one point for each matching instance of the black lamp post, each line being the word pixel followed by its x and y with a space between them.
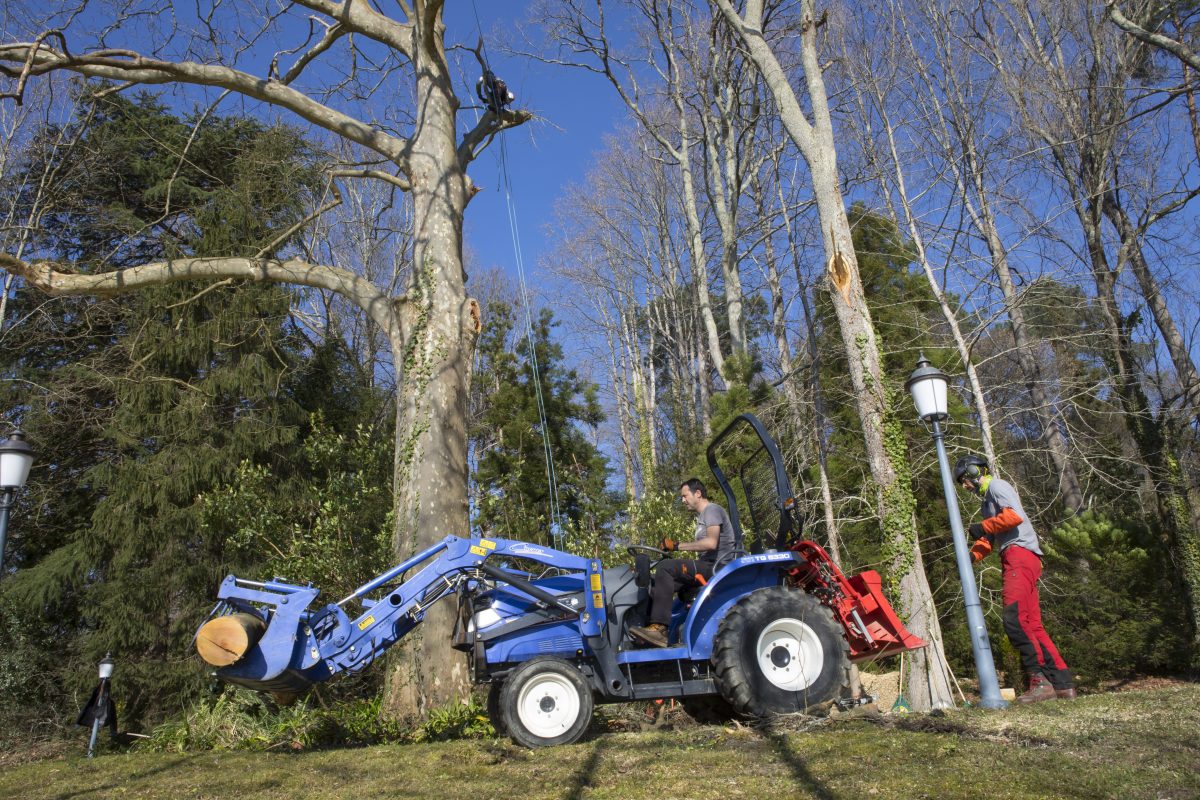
pixel 100 711
pixel 16 456
pixel 927 385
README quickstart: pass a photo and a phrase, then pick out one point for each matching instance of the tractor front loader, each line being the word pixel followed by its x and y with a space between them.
pixel 773 631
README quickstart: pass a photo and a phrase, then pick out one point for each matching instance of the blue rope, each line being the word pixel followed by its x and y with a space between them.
pixel 551 475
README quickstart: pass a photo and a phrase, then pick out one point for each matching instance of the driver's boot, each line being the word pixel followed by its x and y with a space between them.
pixel 653 634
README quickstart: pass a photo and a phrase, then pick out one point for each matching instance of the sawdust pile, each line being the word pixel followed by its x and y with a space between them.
pixel 884 688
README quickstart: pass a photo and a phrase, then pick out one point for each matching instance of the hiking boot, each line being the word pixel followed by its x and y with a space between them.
pixel 1065 694
pixel 1039 690
pixel 653 634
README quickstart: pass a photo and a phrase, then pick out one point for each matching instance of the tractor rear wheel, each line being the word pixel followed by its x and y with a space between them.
pixel 546 701
pixel 779 651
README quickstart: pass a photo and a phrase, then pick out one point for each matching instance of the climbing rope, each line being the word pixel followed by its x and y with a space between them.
pixel 556 531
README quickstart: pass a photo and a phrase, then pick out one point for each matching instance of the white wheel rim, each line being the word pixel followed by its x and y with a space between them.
pixel 548 706
pixel 790 654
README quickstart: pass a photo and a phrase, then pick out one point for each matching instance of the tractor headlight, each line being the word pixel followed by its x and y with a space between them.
pixel 483 618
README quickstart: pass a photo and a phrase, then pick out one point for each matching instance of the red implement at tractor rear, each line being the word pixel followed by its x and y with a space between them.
pixel 872 627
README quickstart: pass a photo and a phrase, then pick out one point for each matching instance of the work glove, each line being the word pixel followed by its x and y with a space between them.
pixel 670 545
pixel 981 548
pixel 976 530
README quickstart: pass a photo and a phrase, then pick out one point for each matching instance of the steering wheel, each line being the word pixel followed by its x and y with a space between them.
pixel 634 549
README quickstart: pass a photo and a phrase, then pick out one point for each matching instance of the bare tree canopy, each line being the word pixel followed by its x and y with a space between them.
pixel 383 85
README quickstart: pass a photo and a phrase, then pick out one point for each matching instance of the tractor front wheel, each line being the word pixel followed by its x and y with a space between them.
pixel 779 651
pixel 544 702
pixel 494 712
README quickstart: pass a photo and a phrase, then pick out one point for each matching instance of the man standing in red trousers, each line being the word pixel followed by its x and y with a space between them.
pixel 1005 525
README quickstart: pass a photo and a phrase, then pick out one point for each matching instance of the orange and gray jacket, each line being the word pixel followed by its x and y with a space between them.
pixel 1005 523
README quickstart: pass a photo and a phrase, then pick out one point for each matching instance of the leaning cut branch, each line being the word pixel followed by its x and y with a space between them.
pixel 49 278
pixel 1177 49
pixel 35 58
pixel 478 138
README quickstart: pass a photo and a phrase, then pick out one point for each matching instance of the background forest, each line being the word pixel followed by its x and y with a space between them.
pixel 1020 181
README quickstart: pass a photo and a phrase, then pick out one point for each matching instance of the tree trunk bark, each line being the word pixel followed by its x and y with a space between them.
pixel 433 366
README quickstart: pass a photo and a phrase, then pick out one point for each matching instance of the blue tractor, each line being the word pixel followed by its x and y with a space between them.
pixel 774 630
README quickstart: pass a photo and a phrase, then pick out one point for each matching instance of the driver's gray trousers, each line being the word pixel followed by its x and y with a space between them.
pixel 671 576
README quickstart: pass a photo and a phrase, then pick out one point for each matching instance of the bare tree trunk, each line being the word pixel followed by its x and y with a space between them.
pixel 929 684
pixel 434 371
pixel 619 382
pixel 820 421
pixel 1035 378
pixel 728 141
pixel 1131 246
pixel 833 538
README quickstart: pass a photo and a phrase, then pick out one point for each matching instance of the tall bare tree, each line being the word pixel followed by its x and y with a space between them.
pixel 929 682
pixel 885 98
pixel 431 329
pixel 663 113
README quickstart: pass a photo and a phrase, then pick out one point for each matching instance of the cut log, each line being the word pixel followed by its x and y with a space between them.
pixel 224 640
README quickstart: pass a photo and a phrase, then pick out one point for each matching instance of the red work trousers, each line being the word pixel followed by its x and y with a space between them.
pixel 1023 617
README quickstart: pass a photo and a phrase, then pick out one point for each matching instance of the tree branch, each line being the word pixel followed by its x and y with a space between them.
pixel 361 17
pixel 27 67
pixel 395 180
pixel 1177 49
pixel 332 34
pixel 44 276
pixel 479 137
pixel 124 65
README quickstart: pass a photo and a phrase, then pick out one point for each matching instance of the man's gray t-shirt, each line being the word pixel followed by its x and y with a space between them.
pixel 998 496
pixel 713 514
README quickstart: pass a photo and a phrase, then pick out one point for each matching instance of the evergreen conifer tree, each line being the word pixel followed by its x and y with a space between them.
pixel 141 404
pixel 512 492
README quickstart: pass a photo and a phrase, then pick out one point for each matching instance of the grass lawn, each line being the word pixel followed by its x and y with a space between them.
pixel 1134 744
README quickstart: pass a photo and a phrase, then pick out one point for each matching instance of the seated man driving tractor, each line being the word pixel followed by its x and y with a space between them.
pixel 714 542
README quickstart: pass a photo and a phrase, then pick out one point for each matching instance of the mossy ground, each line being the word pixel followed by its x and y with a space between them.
pixel 1134 744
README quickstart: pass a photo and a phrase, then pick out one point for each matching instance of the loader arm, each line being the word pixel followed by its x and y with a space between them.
pixel 302 646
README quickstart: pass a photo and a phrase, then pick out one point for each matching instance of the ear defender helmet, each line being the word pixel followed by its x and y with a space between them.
pixel 969 467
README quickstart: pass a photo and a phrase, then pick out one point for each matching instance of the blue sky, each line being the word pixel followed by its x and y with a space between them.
pixel 575 109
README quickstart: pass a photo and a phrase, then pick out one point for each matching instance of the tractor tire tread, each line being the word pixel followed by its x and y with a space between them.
pixel 736 673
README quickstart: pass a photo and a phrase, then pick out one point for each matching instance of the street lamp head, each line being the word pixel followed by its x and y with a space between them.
pixel 16 456
pixel 106 666
pixel 927 385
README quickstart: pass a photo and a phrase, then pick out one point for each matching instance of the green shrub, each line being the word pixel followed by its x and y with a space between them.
pixel 656 516
pixel 240 719
pixel 466 719
pixel 1107 600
